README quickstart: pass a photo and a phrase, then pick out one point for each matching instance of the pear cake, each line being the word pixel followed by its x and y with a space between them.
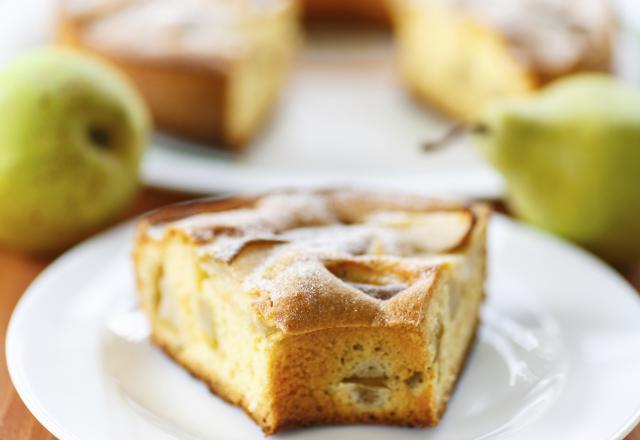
pixel 461 54
pixel 210 70
pixel 322 307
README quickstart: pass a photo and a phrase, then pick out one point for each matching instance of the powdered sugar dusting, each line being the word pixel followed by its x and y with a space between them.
pixel 349 239
pixel 185 28
pixel 308 230
pixel 223 235
pixel 226 248
pixel 289 275
pixel 311 224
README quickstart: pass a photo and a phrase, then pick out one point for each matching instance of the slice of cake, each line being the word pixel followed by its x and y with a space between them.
pixel 210 70
pixel 317 307
pixel 460 54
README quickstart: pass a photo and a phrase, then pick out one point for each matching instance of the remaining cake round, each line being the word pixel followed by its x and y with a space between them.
pixel 210 70
pixel 317 308
pixel 461 54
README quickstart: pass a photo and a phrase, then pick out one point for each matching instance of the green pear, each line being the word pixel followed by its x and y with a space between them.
pixel 570 156
pixel 72 132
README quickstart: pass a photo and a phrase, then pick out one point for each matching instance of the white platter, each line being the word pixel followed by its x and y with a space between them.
pixel 556 357
pixel 344 117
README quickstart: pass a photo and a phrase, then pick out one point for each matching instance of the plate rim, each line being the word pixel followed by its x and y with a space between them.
pixel 153 172
pixel 17 377
pixel 29 397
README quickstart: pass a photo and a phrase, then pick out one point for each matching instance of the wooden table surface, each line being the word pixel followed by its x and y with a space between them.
pixel 16 273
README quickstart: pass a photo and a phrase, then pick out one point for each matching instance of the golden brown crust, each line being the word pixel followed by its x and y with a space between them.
pixel 300 387
pixel 192 207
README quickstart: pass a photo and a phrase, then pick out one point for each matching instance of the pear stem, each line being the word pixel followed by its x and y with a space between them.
pixel 451 134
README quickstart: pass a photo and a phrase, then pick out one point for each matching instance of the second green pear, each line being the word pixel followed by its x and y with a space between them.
pixel 570 156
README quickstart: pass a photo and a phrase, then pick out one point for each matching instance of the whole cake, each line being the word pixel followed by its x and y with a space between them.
pixel 317 307
pixel 461 54
pixel 210 70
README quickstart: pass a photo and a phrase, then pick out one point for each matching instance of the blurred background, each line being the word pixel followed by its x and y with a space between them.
pixel 109 108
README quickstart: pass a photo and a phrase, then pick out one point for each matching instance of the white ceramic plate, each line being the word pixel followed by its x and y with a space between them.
pixel 344 116
pixel 556 358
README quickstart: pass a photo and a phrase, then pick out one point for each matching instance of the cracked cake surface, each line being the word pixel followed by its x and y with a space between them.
pixel 317 307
